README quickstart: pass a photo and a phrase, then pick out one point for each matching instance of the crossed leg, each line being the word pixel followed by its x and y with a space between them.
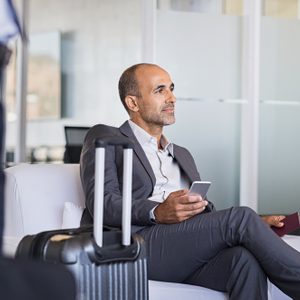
pixel 236 271
pixel 230 250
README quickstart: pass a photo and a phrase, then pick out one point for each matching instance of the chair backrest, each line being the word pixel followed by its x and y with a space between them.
pixel 35 196
pixel 74 140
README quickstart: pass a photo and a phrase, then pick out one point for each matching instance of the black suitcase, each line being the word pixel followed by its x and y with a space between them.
pixel 107 264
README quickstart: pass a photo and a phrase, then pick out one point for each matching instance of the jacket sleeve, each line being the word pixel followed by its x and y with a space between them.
pixel 113 182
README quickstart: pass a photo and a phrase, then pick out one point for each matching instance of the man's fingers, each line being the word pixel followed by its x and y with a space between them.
pixel 188 198
pixel 277 221
pixel 181 192
pixel 188 214
pixel 194 206
pixel 178 194
pixel 179 206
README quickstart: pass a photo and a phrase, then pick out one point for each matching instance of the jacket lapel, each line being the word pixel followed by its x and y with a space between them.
pixel 125 129
pixel 186 164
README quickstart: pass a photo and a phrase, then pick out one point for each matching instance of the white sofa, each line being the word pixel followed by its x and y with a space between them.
pixel 47 196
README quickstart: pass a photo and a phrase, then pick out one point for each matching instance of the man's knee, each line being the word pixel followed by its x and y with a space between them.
pixel 244 213
pixel 247 211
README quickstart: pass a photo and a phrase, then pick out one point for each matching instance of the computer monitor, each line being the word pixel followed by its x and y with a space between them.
pixel 74 140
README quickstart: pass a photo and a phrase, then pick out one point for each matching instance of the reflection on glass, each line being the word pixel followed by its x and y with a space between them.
pixel 44 83
pixel 201 6
pixel 43 98
pixel 11 87
pixel 281 8
pixel 233 7
pixel 227 7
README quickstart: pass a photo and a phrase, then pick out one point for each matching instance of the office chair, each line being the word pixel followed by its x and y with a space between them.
pixel 74 140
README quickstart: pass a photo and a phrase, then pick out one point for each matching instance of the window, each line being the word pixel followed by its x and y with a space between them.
pixel 44 84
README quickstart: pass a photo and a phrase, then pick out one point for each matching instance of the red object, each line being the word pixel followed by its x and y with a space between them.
pixel 291 223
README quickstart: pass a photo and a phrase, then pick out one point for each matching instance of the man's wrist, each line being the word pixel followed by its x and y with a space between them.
pixel 152 215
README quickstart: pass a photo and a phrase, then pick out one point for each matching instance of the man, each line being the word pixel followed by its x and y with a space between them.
pixel 187 239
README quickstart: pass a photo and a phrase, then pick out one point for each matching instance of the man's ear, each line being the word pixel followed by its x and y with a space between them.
pixel 131 103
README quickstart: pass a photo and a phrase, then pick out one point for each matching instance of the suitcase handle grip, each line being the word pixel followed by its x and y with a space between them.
pixel 113 141
pixel 100 145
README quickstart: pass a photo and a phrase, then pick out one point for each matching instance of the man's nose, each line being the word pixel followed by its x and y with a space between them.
pixel 171 97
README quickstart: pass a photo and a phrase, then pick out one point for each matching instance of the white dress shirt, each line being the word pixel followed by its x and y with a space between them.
pixel 165 168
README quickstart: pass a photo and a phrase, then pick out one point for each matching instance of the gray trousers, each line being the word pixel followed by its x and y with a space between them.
pixel 230 250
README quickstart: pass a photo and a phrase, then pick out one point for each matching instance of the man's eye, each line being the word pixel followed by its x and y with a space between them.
pixel 159 91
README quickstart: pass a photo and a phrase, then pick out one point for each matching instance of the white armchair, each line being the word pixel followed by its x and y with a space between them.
pixel 44 197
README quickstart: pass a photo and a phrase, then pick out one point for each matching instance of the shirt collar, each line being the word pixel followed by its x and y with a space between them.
pixel 144 138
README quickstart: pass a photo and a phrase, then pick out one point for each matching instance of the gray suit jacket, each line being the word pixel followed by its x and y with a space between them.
pixel 143 180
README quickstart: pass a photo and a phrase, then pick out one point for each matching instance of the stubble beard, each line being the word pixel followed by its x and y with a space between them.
pixel 162 119
pixel 169 120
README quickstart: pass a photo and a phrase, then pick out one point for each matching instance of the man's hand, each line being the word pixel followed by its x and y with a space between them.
pixel 179 206
pixel 275 221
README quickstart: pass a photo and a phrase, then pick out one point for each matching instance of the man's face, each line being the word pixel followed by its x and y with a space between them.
pixel 156 103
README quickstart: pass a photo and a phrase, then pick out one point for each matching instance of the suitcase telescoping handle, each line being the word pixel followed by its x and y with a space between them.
pixel 100 145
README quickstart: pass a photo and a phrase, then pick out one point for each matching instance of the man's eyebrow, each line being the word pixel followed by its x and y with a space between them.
pixel 164 86
pixel 161 86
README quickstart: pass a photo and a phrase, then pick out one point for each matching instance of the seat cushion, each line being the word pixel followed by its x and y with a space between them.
pixel 71 215
pixel 159 290
pixel 35 196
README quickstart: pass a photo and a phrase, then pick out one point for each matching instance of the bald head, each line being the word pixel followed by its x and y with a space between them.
pixel 128 82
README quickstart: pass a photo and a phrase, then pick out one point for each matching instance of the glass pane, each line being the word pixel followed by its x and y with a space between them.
pixel 203 57
pixel 279 162
pixel 210 131
pixel 280 60
pixel 279 148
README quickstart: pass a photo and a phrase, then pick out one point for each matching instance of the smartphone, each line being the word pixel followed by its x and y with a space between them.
pixel 200 188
